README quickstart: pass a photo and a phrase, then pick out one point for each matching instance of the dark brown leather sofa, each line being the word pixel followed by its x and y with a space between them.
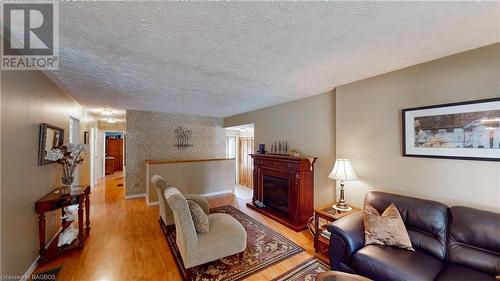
pixel 451 244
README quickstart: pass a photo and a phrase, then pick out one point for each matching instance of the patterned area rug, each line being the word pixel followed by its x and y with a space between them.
pixel 305 271
pixel 264 248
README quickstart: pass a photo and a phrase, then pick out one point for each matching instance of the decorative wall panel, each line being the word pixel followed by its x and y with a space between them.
pixel 151 136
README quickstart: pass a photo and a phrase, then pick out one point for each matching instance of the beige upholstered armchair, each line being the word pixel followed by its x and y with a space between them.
pixel 226 236
pixel 166 216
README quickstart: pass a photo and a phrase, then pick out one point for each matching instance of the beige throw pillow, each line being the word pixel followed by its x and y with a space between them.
pixel 386 229
pixel 200 219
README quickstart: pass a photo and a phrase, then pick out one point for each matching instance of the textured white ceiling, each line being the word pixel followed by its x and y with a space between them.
pixel 220 59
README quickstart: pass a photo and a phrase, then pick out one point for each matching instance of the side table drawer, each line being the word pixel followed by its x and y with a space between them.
pixel 323 245
pixel 323 248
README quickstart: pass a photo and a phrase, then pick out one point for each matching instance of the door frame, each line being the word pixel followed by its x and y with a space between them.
pixel 104 149
pixel 249 149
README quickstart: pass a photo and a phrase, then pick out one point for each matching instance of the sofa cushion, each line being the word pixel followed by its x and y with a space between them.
pixel 386 229
pixel 425 220
pixel 393 264
pixel 200 219
pixel 474 239
pixel 462 273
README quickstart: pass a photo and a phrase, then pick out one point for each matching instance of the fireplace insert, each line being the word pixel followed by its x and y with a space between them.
pixel 276 194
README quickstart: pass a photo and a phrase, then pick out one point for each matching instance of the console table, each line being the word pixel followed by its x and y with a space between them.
pixel 58 199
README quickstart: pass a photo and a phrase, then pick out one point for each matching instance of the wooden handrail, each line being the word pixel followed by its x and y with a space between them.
pixel 159 162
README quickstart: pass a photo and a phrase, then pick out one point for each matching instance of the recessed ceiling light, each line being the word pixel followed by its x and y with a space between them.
pixel 111 120
pixel 106 112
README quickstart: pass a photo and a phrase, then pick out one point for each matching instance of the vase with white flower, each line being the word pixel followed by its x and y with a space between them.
pixel 68 156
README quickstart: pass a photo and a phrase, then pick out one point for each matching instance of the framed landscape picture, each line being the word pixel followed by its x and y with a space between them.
pixel 466 130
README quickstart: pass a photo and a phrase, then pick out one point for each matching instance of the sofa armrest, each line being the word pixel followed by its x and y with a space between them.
pixel 347 237
pixel 200 200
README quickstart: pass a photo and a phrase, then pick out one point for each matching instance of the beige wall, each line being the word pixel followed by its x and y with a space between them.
pixel 308 125
pixel 1 198
pixel 150 136
pixel 29 98
pixel 87 121
pixel 204 177
pixel 369 130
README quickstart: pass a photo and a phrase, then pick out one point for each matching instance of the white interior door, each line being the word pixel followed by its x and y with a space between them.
pixel 98 155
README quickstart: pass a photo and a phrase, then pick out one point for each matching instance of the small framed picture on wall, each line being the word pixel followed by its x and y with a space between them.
pixel 86 137
pixel 466 130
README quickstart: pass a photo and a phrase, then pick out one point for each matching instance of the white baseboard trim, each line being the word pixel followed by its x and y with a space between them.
pixel 151 204
pixel 155 203
pixel 29 272
pixel 133 196
pixel 217 192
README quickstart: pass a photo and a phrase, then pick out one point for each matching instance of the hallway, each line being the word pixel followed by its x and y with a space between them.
pixel 126 241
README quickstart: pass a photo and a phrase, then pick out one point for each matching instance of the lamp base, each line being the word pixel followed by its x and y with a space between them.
pixel 341 208
pixel 341 205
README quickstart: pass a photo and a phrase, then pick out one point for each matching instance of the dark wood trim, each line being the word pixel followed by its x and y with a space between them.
pixel 403 133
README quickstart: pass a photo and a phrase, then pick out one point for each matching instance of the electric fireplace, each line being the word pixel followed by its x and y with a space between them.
pixel 276 194
pixel 284 188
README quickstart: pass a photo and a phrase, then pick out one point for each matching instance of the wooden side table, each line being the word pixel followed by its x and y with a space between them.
pixel 329 215
pixel 58 199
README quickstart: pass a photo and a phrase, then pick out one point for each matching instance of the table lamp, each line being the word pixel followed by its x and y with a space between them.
pixel 342 171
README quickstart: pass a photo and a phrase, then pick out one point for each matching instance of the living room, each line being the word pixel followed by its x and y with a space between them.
pixel 255 141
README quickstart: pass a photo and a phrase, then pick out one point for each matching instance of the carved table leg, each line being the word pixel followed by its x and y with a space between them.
pixel 41 234
pixel 87 213
pixel 316 233
pixel 80 224
pixel 189 274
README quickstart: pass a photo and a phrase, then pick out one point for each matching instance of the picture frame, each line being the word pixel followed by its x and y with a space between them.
pixel 50 137
pixel 465 130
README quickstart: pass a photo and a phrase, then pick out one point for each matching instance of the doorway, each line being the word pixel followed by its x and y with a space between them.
pixel 245 163
pixel 114 148
pixel 74 131
pixel 74 138
pixel 240 143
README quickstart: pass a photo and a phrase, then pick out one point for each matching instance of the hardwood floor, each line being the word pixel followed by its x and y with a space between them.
pixel 126 242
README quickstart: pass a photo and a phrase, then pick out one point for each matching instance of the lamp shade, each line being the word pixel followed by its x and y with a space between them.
pixel 343 171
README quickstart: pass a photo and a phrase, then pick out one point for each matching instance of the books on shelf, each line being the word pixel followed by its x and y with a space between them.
pixel 325 233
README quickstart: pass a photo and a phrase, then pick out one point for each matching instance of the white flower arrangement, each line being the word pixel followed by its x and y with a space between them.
pixel 68 156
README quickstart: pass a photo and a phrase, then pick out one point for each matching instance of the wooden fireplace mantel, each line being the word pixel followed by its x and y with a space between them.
pixel 299 172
